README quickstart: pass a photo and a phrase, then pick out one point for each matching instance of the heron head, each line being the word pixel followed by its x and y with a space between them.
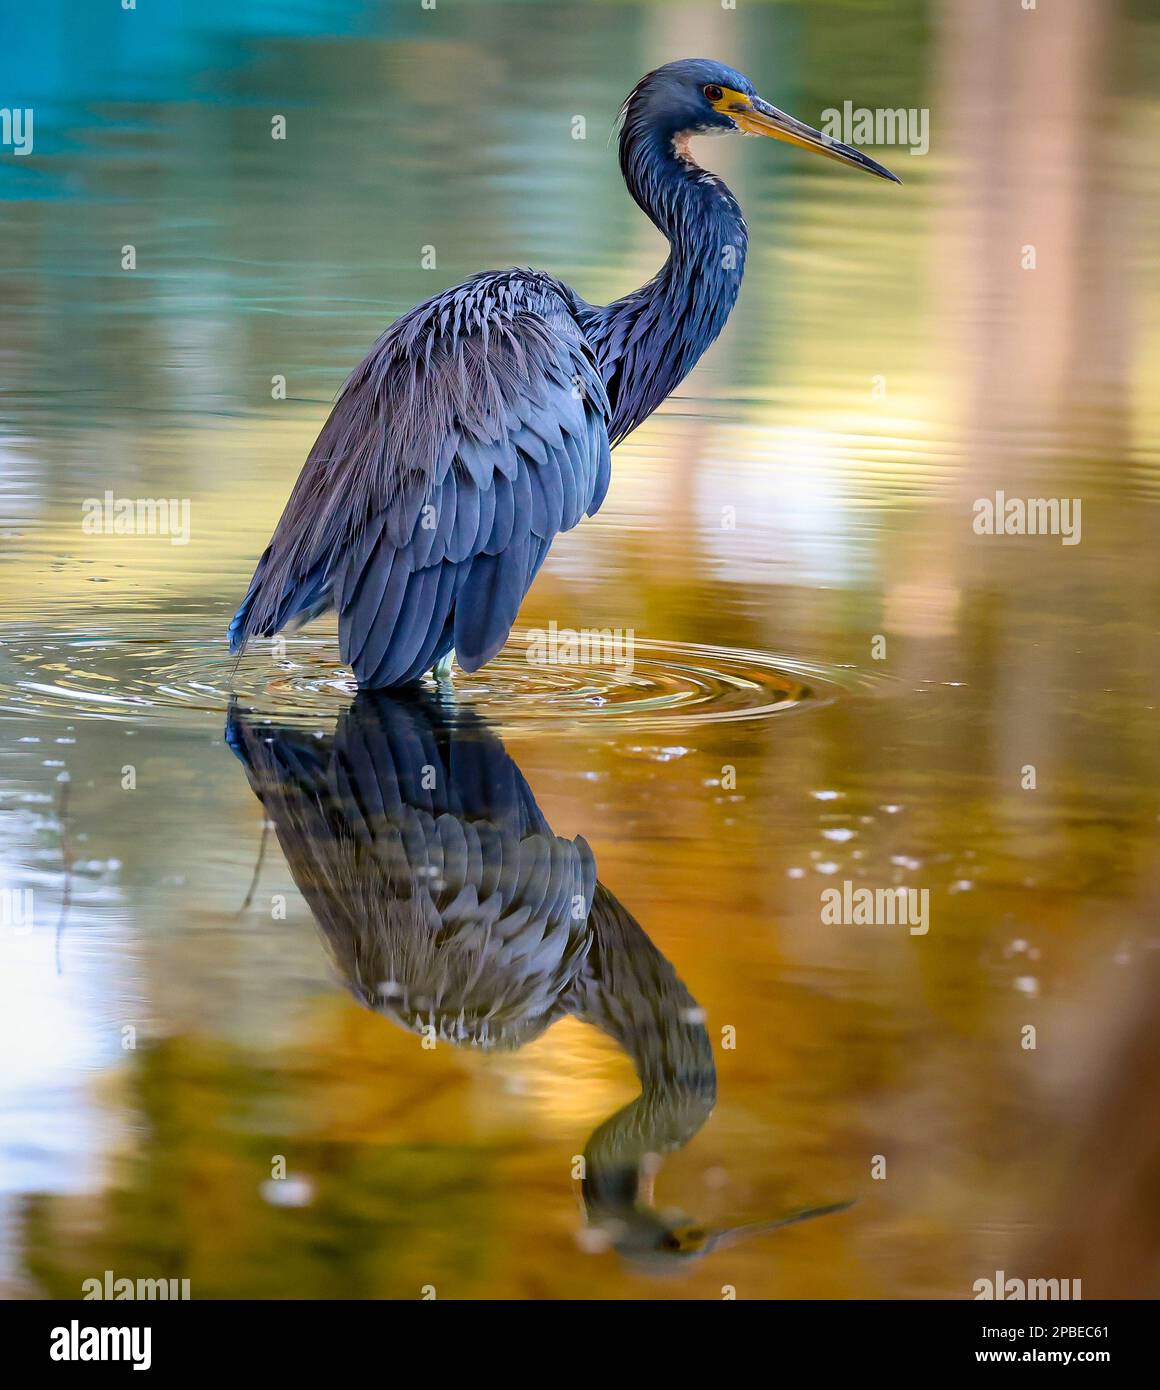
pixel 697 96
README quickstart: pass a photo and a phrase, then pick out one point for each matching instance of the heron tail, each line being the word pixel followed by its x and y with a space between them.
pixel 262 612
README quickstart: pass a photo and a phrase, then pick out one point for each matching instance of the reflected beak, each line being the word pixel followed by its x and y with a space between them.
pixel 719 1240
pixel 757 117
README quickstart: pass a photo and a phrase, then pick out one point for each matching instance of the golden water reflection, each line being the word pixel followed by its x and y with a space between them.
pixel 808 491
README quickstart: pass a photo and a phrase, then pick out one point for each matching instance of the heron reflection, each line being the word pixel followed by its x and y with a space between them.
pixel 449 906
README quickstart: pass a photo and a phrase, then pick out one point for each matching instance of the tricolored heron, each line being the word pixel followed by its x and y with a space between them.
pixel 479 425
pixel 449 906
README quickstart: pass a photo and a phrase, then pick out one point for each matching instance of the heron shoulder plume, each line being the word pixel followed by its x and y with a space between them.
pixel 472 433
pixel 479 426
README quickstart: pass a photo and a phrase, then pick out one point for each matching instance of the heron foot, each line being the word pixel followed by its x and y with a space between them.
pixel 442 668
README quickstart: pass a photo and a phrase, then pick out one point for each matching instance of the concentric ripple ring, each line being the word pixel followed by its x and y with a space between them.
pixel 300 680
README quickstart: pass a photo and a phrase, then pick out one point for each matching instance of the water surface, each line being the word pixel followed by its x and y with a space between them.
pixel 835 678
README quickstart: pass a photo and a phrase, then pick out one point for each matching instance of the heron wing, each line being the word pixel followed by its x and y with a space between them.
pixel 472 434
pixel 427 865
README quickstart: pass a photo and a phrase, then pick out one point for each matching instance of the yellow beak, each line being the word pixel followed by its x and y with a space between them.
pixel 757 117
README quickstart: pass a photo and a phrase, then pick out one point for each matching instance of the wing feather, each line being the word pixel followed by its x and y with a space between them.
pixel 488 602
pixel 505 515
pixel 473 433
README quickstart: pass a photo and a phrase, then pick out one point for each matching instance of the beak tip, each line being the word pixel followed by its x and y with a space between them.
pixel 873 167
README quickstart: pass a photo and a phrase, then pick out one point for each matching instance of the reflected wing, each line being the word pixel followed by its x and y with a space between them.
pixel 445 898
pixel 473 433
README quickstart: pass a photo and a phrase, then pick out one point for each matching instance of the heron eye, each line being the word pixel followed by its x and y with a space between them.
pixel 713 92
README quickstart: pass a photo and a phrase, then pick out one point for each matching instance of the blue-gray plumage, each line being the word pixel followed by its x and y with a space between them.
pixel 450 906
pixel 480 424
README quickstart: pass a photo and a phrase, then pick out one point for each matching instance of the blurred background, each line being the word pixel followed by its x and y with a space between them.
pixel 892 359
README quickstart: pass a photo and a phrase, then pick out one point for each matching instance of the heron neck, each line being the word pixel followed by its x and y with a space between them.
pixel 648 342
pixel 631 992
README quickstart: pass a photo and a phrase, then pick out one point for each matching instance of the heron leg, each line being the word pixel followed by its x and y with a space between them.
pixel 442 668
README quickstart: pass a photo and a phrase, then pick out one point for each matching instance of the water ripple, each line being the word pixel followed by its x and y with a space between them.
pixel 670 684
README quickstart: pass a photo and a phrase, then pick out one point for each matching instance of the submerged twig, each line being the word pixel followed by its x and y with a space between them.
pixel 249 898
